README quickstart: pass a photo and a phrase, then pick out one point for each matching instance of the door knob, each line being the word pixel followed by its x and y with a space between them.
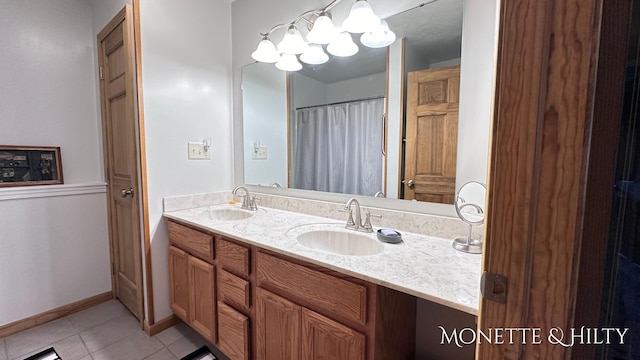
pixel 125 192
pixel 410 183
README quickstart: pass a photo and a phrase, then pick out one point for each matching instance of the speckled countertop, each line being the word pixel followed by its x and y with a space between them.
pixel 424 266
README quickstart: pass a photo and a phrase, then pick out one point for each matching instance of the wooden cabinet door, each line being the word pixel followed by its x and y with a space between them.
pixel 179 282
pixel 278 327
pixel 233 333
pixel 202 301
pixel 323 338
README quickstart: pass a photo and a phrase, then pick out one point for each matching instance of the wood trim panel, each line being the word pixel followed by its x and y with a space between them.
pixel 232 257
pixel 385 124
pixel 57 313
pixel 144 185
pixel 537 167
pixel 327 294
pixel 161 325
pixel 288 100
pixel 401 151
pixel 192 241
pixel 395 322
pixel 607 112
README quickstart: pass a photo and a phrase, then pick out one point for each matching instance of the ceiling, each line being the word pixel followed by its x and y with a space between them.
pixel 433 32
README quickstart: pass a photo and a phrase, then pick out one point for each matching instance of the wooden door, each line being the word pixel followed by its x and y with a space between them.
pixel 278 333
pixel 120 155
pixel 323 338
pixel 561 73
pixel 179 282
pixel 201 297
pixel 431 135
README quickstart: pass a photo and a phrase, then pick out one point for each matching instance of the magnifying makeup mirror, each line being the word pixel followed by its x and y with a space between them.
pixel 469 204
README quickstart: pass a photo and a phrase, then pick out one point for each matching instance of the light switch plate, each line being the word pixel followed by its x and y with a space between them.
pixel 197 151
pixel 261 154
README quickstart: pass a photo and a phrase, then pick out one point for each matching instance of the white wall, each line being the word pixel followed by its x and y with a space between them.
pixel 306 91
pixel 439 64
pixel 103 11
pixel 186 70
pixel 55 250
pixel 394 118
pixel 358 88
pixel 265 115
pixel 477 78
pixel 48 46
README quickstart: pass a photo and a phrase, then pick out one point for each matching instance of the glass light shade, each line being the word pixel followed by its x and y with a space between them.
pixel 380 37
pixel 266 52
pixel 361 18
pixel 323 31
pixel 314 55
pixel 292 42
pixel 343 45
pixel 288 62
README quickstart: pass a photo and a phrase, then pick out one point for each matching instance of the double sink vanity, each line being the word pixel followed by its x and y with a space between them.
pixel 269 283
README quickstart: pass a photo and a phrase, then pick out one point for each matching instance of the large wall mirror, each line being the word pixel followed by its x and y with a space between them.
pixel 389 122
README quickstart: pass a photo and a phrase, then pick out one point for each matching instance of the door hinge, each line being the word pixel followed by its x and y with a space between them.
pixel 494 287
pixel 113 269
pixel 101 71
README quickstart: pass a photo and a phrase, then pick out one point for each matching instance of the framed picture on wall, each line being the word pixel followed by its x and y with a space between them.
pixel 30 165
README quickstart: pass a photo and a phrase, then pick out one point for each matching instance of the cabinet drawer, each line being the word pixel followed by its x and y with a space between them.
pixel 233 257
pixel 191 241
pixel 233 290
pixel 314 289
pixel 233 333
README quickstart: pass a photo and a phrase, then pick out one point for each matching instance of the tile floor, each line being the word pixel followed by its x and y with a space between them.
pixel 104 332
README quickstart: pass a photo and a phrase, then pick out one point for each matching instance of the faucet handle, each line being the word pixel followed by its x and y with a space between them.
pixel 350 222
pixel 367 221
pixel 252 203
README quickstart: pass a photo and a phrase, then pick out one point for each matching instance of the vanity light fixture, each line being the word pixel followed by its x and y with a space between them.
pixel 292 42
pixel 323 30
pixel 343 46
pixel 266 51
pixel 288 62
pixel 379 37
pixel 361 19
pixel 315 55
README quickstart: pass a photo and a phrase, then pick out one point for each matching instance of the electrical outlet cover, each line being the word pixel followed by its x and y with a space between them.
pixel 261 154
pixel 197 151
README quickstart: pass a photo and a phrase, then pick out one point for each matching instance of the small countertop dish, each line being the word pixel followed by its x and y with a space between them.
pixel 424 266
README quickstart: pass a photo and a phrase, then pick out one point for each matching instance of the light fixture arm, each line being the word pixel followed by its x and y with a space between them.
pixel 302 17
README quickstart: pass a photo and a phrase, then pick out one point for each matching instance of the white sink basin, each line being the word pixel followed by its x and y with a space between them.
pixel 224 214
pixel 340 242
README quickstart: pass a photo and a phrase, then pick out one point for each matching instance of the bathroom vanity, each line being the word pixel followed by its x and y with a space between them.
pixel 245 281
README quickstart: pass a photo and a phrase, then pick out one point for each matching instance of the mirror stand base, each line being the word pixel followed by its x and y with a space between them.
pixel 468 245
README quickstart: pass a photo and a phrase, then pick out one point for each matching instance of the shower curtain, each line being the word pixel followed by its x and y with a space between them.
pixel 338 148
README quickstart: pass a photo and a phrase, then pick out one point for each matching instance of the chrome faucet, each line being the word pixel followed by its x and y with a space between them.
pixel 356 223
pixel 248 202
pixel 379 194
